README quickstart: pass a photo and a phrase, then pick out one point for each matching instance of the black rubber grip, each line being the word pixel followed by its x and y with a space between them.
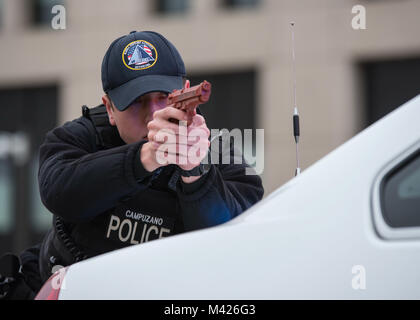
pixel 296 130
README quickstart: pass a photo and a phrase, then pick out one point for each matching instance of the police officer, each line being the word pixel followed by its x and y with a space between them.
pixel 101 177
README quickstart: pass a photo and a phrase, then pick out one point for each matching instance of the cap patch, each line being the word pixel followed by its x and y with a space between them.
pixel 139 55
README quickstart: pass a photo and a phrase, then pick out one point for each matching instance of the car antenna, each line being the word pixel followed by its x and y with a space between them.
pixel 296 130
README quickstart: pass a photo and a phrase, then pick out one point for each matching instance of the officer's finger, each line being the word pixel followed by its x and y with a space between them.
pixel 180 160
pixel 198 150
pixel 200 132
pixel 170 113
pixel 159 124
pixel 183 150
pixel 164 157
pixel 197 120
pixel 172 138
pixel 169 137
pixel 181 147
pixel 165 137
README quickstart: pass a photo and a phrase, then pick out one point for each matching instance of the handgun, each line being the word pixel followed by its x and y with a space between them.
pixel 187 99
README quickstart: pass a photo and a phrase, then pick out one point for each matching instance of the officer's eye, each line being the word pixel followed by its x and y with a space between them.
pixel 139 100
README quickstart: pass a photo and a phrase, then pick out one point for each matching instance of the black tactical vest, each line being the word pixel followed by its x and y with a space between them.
pixel 150 214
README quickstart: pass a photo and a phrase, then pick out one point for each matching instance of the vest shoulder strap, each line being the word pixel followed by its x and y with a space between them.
pixel 107 136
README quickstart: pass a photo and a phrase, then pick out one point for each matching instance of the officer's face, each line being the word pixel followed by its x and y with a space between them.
pixel 132 122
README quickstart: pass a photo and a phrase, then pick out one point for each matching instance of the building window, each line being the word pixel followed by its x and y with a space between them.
pixel 23 218
pixel 41 217
pixel 240 3
pixel 41 14
pixel 232 103
pixel 6 194
pixel 172 6
pixel 387 85
pixel 224 102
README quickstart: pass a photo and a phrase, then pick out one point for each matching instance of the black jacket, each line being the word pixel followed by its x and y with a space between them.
pixel 98 187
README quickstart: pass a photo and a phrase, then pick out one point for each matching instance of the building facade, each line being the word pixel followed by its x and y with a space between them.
pixel 345 77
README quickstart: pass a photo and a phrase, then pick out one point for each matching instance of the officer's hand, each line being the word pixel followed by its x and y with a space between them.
pixel 172 143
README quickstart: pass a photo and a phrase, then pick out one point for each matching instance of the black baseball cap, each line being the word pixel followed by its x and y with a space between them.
pixel 138 63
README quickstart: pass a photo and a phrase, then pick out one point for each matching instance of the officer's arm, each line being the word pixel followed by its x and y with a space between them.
pixel 76 181
pixel 222 194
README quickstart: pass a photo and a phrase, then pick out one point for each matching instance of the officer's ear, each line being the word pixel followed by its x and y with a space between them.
pixel 109 109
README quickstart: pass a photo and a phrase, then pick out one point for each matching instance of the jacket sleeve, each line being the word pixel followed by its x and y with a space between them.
pixel 76 181
pixel 220 195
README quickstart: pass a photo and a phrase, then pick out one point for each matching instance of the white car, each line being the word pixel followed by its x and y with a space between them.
pixel 348 227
